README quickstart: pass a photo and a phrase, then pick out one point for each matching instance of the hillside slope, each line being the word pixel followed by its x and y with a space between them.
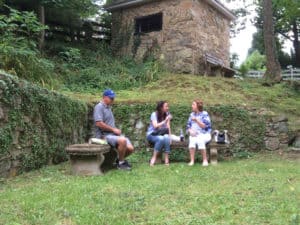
pixel 282 98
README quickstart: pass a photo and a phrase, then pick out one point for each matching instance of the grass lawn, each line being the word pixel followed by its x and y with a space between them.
pixel 264 189
pixel 182 89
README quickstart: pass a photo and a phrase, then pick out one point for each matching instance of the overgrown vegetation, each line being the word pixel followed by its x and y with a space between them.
pixel 18 49
pixel 261 190
pixel 37 124
pixel 244 140
pixel 80 67
pixel 93 68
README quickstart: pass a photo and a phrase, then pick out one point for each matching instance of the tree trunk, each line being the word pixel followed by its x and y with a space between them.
pixel 273 72
pixel 41 14
pixel 296 43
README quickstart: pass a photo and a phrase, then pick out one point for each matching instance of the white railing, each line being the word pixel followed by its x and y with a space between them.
pixel 289 74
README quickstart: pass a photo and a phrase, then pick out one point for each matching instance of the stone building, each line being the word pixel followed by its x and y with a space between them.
pixel 188 36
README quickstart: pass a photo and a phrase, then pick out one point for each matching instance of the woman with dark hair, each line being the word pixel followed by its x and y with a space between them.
pixel 199 128
pixel 159 131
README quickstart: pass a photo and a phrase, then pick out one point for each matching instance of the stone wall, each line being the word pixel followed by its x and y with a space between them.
pixel 248 131
pixel 277 133
pixel 190 29
pixel 36 125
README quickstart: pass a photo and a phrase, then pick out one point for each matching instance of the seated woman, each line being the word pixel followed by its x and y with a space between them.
pixel 159 131
pixel 199 128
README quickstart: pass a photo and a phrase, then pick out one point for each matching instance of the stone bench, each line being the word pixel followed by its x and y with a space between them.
pixel 90 159
pixel 211 147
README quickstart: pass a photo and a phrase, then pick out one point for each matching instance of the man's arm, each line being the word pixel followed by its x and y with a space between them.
pixel 104 126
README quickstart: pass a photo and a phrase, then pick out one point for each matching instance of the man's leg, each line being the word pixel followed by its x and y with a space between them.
pixel 120 143
pixel 129 148
pixel 122 148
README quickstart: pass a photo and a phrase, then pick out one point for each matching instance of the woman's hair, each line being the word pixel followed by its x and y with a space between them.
pixel 159 112
pixel 199 104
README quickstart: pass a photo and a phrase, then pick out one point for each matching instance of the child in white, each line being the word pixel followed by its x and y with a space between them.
pixel 199 128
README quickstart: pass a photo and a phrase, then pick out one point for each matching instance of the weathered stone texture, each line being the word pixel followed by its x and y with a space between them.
pixel 190 29
pixel 276 135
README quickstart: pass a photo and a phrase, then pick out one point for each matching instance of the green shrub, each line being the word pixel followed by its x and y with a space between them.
pixel 97 70
pixel 255 61
pixel 18 50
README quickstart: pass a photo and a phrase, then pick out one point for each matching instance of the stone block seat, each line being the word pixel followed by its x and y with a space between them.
pixel 90 159
pixel 211 147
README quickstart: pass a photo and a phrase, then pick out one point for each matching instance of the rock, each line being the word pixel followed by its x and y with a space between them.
pixel 296 143
pixel 281 118
pixel 272 143
pixel 271 133
pixel 283 127
pixel 297 150
pixel 283 146
pixel 284 138
pixel 217 118
pixel 139 125
pixel 5 165
pixel 1 113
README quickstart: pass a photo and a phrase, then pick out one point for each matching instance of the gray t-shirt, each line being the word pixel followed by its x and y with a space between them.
pixel 102 112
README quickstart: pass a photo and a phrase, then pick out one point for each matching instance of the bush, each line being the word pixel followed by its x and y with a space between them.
pixel 255 61
pixel 91 70
pixel 18 50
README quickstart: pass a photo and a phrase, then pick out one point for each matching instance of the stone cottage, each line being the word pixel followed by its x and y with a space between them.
pixel 188 36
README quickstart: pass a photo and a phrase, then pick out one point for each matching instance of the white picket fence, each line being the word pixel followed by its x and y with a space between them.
pixel 289 74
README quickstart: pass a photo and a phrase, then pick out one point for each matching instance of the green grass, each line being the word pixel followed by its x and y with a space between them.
pixel 250 94
pixel 260 190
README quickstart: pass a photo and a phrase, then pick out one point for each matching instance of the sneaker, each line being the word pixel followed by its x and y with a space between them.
pixel 124 166
pixel 125 161
pixel 205 163
pixel 128 163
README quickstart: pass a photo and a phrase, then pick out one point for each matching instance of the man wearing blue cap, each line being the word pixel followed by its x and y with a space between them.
pixel 105 128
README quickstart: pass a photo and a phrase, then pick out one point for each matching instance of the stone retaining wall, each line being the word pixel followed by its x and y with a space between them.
pixel 275 137
pixel 36 125
pixel 277 133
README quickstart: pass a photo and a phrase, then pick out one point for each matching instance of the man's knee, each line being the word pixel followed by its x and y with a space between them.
pixel 122 141
pixel 130 149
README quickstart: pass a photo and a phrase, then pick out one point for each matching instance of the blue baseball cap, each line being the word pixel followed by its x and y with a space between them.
pixel 109 93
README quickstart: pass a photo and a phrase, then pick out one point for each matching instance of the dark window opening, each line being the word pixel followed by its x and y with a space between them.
pixel 149 23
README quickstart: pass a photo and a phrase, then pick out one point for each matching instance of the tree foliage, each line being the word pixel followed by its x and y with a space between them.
pixel 18 50
pixel 258 45
pixel 286 14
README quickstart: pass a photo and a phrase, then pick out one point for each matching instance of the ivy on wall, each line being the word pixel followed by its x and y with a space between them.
pixel 246 130
pixel 36 124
